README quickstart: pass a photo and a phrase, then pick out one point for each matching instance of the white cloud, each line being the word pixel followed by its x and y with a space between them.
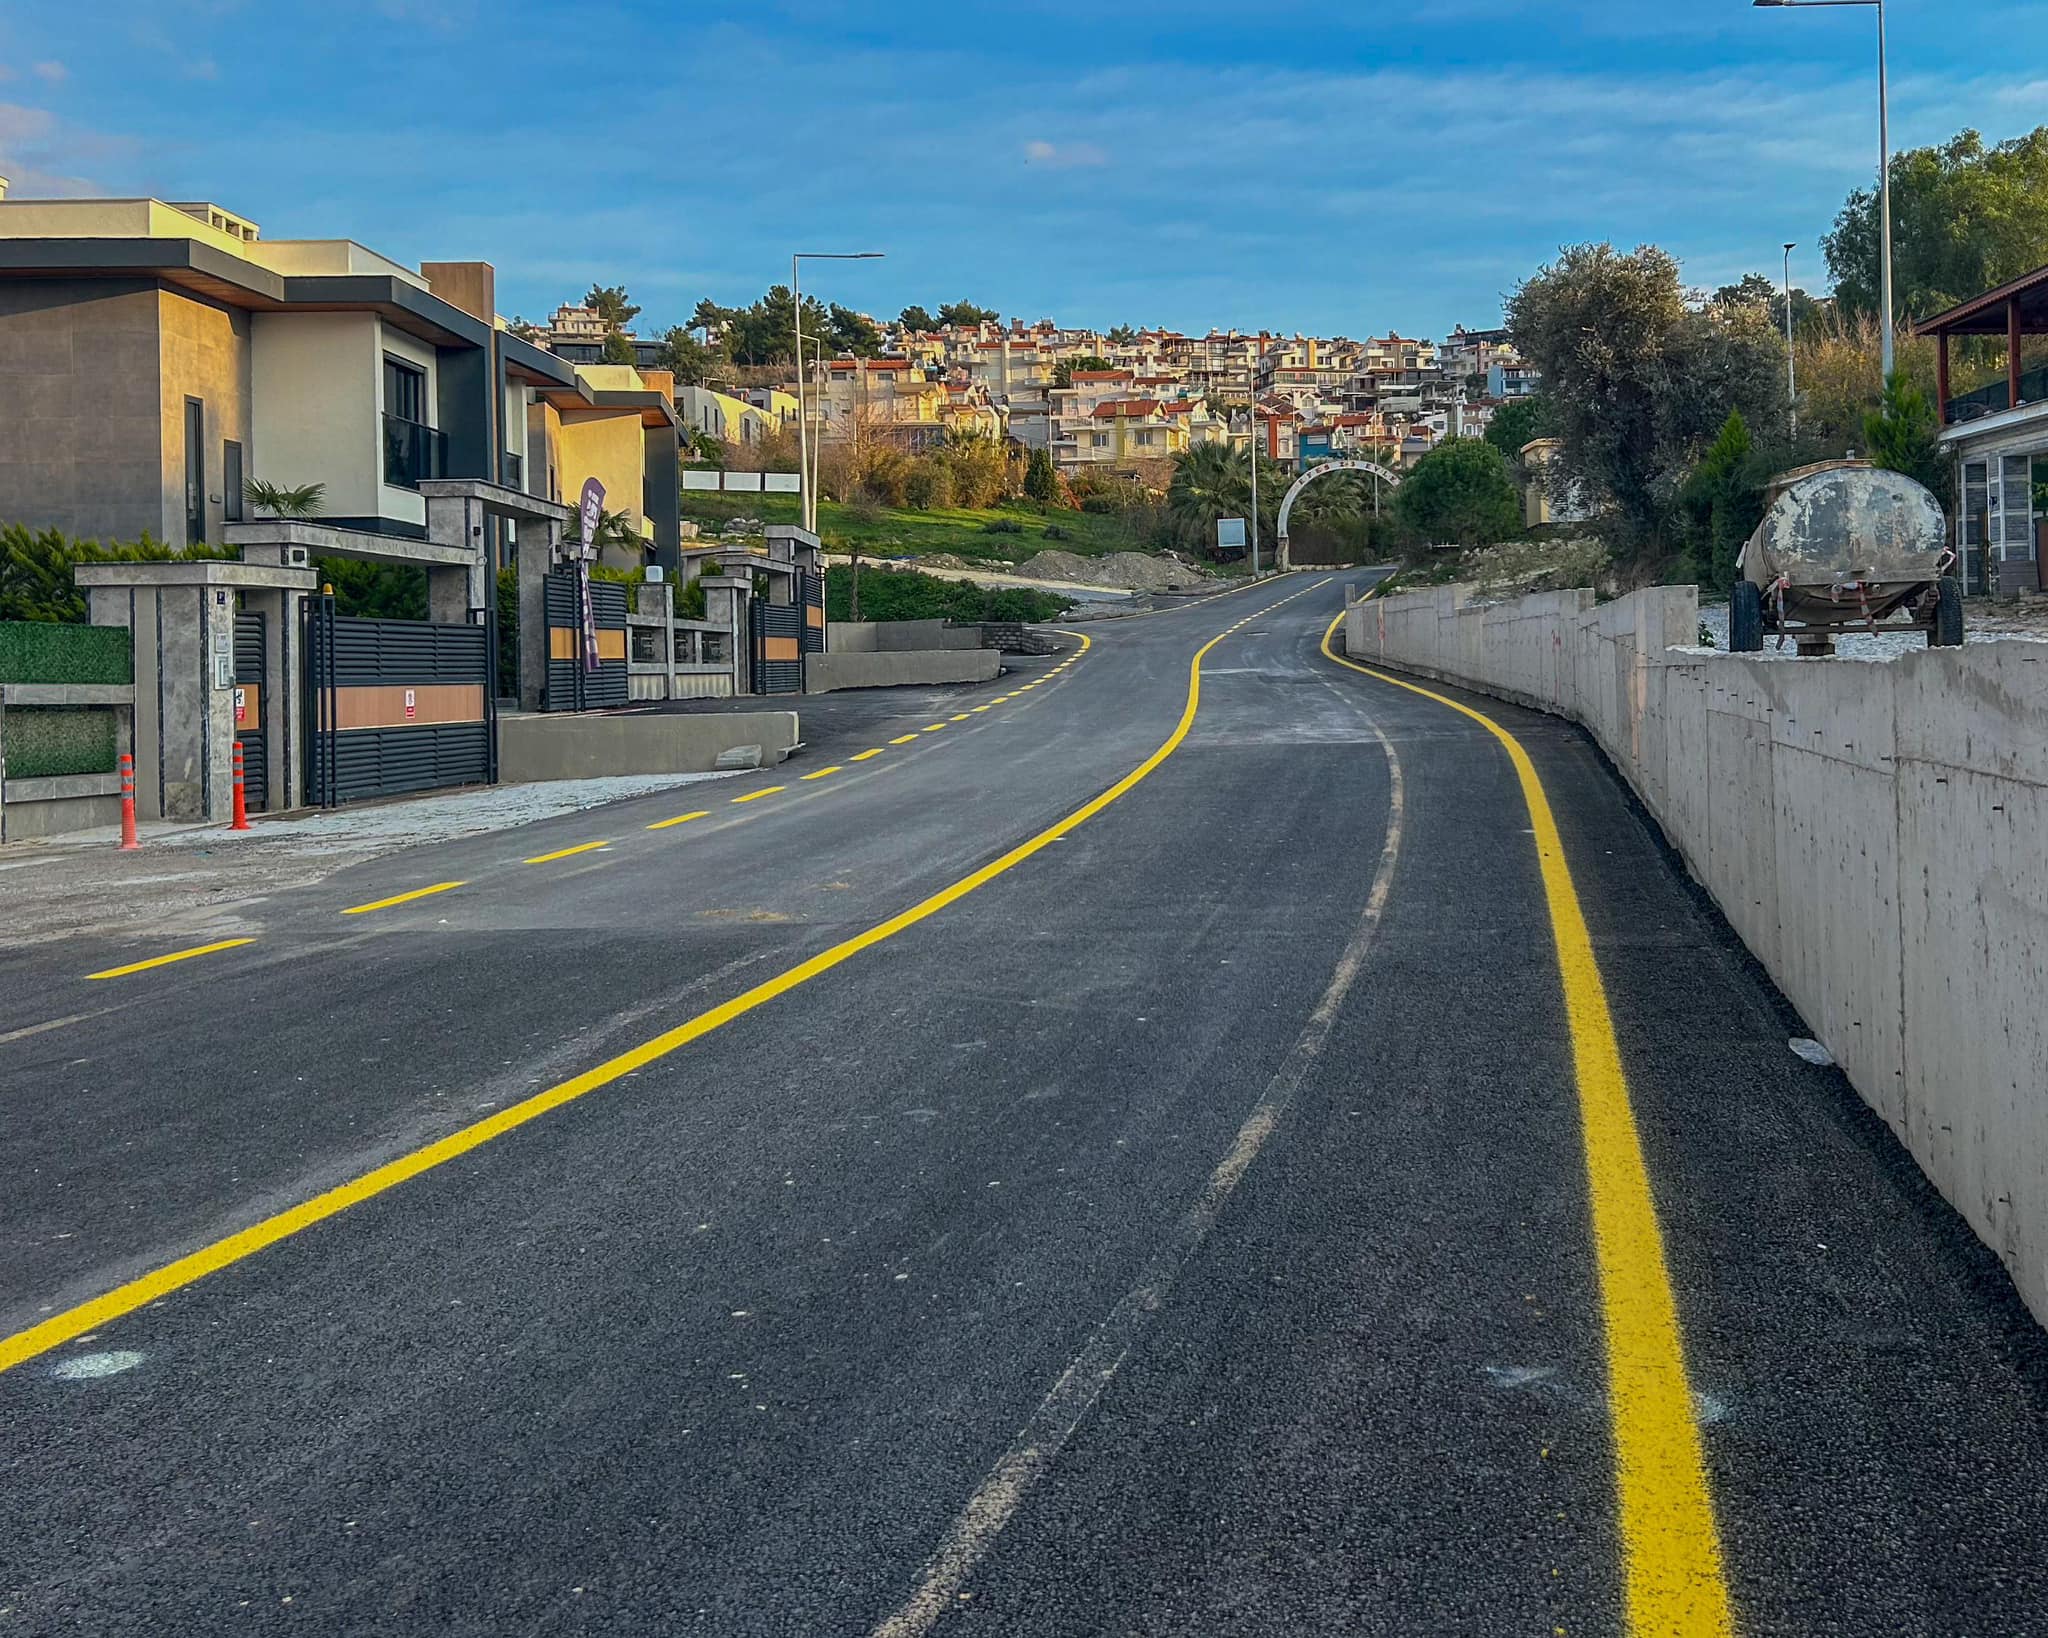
pixel 54 72
pixel 1063 156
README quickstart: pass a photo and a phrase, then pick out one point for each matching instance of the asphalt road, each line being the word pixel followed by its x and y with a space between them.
pixel 1178 1222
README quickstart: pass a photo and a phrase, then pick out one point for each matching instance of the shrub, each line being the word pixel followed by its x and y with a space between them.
pixel 35 569
pixel 904 594
pixel 1002 526
pixel 928 485
pixel 1054 532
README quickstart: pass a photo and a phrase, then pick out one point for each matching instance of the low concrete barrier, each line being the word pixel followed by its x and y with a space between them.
pixel 898 636
pixel 1873 831
pixel 826 672
pixel 584 746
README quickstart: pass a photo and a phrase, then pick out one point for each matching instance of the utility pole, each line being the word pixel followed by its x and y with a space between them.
pixel 807 477
pixel 1254 451
pixel 1791 363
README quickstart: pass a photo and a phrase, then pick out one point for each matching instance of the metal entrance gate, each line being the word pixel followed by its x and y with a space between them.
pixel 811 594
pixel 778 647
pixel 250 709
pixel 569 686
pixel 397 705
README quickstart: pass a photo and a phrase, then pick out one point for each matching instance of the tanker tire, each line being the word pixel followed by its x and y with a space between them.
pixel 1746 618
pixel 1948 614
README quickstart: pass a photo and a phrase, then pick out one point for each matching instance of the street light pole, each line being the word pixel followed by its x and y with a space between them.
pixel 807 486
pixel 1791 362
pixel 1884 163
pixel 1254 452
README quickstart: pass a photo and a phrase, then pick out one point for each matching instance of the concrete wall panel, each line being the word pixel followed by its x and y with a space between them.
pixel 1872 832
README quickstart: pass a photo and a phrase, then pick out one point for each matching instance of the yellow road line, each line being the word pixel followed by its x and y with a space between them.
pixel 961 717
pixel 980 708
pixel 862 756
pixel 903 739
pixel 822 772
pixel 932 728
pixel 567 852
pixel 175 955
pixel 71 1323
pixel 680 819
pixel 755 796
pixel 400 898
pixel 1671 1545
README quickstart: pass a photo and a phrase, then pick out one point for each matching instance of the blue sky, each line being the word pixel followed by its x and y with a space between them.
pixel 1337 168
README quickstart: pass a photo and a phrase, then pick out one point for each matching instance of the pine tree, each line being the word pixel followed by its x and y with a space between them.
pixel 1041 480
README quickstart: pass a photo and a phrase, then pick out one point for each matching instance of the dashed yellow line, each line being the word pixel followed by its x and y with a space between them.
pixel 68 1324
pixel 862 756
pixel 755 796
pixel 680 819
pixel 567 852
pixel 400 898
pixel 903 739
pixel 175 955
pixel 1671 1547
pixel 933 728
pixel 823 772
pixel 961 717
pixel 981 708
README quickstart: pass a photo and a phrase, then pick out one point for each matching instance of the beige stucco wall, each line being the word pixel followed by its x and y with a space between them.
pixel 544 451
pixel 316 379
pixel 610 446
pixel 203 352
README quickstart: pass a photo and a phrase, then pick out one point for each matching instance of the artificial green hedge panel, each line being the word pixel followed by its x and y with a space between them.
pixel 42 742
pixel 39 651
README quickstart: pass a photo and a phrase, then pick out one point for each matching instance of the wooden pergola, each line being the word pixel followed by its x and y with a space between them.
pixel 2015 310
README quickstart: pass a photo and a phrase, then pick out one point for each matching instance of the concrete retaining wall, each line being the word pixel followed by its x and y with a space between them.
pixel 568 746
pixel 826 672
pixel 898 636
pixel 1876 833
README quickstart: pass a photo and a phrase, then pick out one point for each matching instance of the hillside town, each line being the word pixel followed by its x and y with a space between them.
pixel 1118 401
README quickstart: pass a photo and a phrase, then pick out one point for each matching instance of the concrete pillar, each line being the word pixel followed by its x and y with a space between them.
pixel 453 592
pixel 725 606
pixel 659 598
pixel 536 557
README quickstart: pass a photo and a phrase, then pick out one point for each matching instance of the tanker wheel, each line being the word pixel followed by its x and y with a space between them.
pixel 1948 614
pixel 1746 618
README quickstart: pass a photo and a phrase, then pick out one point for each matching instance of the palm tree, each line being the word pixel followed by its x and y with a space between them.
pixel 279 502
pixel 1210 481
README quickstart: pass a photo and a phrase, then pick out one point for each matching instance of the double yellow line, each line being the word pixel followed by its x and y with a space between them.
pixel 1677 1587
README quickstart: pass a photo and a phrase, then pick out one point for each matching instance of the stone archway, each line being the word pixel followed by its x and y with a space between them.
pixel 1323 471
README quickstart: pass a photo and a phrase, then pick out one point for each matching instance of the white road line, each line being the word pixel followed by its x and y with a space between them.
pixel 1040 1440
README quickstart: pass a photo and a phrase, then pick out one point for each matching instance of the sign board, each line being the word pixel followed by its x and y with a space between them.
pixel 241 706
pixel 592 513
pixel 411 704
pixel 1229 532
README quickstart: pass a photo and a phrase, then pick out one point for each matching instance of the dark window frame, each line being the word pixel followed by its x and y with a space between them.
pixel 232 475
pixel 195 471
pixel 402 371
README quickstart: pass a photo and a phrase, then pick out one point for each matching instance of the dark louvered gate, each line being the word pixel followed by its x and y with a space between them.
pixel 811 595
pixel 571 685
pixel 778 647
pixel 251 709
pixel 396 705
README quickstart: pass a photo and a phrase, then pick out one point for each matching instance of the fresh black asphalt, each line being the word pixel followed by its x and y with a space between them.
pixel 727 1346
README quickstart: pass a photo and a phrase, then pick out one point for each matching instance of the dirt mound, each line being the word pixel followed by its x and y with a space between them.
pixel 1128 571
